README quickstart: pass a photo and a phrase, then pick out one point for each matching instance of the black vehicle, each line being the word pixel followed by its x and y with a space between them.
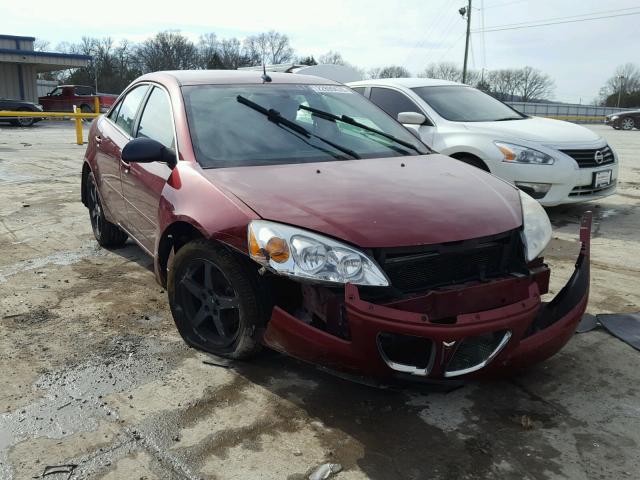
pixel 624 120
pixel 19 106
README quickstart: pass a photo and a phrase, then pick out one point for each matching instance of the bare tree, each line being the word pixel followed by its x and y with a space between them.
pixel 624 82
pixel 332 57
pixel 534 85
pixel 309 60
pixel 208 56
pixel 449 71
pixel 167 51
pixel 504 83
pixel 41 45
pixel 232 55
pixel 271 47
pixel 443 71
pixel 391 71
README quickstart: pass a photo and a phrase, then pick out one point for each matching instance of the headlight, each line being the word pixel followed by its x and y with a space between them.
pixel 299 253
pixel 39 107
pixel 536 228
pixel 615 117
pixel 520 154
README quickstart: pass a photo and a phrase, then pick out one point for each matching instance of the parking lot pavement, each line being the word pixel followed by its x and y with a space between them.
pixel 93 372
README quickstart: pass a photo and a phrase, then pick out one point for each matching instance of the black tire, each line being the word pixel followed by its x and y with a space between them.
pixel 107 234
pixel 476 162
pixel 222 311
pixel 627 123
pixel 86 109
pixel 23 121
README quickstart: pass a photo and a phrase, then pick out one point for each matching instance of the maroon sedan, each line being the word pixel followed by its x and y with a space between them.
pixel 291 212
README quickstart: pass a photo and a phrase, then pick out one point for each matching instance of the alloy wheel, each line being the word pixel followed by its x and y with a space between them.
pixel 25 121
pixel 627 123
pixel 210 303
pixel 95 210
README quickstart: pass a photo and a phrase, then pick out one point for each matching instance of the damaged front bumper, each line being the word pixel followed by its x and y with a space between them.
pixel 446 333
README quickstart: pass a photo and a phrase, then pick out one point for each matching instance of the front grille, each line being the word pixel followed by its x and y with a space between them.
pixel 423 268
pixel 587 158
pixel 406 353
pixel 473 353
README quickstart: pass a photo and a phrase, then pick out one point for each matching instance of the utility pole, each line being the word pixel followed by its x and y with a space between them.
pixel 466 47
pixel 621 77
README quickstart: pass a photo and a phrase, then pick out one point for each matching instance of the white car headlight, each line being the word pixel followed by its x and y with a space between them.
pixel 536 227
pixel 300 253
pixel 615 117
pixel 519 154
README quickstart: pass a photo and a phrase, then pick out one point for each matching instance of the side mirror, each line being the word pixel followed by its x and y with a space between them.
pixel 411 118
pixel 146 150
pixel 48 94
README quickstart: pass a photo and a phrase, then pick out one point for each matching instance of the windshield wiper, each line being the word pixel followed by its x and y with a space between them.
pixel 275 117
pixel 355 123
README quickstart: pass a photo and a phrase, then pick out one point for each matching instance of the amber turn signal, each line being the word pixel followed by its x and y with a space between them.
pixel 254 248
pixel 508 153
pixel 277 249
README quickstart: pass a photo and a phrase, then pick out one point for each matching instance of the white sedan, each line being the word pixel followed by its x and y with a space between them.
pixel 555 162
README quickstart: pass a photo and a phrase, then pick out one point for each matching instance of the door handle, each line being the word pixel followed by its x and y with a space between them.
pixel 98 139
pixel 126 167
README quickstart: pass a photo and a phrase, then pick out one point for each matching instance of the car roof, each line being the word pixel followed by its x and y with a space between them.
pixel 227 77
pixel 408 82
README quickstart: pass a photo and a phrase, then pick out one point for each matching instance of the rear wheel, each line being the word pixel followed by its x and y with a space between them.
pixel 627 124
pixel 107 234
pixel 215 300
pixel 86 109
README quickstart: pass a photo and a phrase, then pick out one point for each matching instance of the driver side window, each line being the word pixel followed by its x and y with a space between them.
pixel 392 101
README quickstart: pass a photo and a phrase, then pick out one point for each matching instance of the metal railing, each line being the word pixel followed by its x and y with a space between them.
pixel 76 115
pixel 566 111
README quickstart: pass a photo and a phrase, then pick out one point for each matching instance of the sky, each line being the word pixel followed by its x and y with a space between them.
pixel 579 56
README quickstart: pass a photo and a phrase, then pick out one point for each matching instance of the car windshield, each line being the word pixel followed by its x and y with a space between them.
pixel 466 104
pixel 226 132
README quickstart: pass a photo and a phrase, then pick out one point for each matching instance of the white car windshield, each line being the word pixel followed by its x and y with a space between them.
pixel 466 104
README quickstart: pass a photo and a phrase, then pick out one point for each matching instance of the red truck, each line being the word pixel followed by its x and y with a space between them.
pixel 64 97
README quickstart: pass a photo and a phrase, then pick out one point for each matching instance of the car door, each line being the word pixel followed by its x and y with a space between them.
pixel 394 102
pixel 142 183
pixel 112 134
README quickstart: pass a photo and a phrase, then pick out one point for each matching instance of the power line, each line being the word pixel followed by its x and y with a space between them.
pixel 504 4
pixel 551 21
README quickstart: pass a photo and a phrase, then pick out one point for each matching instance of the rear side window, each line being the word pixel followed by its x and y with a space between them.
pixel 155 122
pixel 84 91
pixel 392 102
pixel 129 107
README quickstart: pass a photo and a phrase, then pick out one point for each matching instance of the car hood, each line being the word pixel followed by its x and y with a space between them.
pixel 536 129
pixel 388 202
pixel 626 112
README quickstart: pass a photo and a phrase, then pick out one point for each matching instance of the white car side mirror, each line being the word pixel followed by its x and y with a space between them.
pixel 411 118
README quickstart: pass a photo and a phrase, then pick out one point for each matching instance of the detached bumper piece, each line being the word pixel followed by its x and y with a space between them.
pixel 466 331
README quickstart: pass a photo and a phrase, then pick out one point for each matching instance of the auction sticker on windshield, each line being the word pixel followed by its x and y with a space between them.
pixel 602 179
pixel 330 89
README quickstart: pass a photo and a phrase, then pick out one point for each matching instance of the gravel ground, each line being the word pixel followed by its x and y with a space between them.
pixel 94 373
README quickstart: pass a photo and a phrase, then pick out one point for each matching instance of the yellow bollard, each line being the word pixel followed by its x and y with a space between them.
pixel 96 104
pixel 79 139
